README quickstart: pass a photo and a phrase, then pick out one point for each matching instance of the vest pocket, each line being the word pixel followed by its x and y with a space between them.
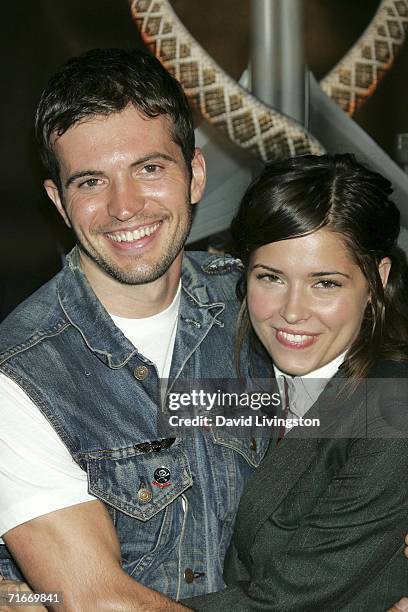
pixel 136 483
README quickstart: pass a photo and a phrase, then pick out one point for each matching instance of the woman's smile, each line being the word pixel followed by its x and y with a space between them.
pixel 294 339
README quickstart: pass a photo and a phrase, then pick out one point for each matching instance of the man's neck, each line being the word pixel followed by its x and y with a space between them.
pixel 133 301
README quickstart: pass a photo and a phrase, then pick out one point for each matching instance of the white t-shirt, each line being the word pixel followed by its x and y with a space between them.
pixel 37 472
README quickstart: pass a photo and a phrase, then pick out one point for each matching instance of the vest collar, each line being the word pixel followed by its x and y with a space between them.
pixel 198 312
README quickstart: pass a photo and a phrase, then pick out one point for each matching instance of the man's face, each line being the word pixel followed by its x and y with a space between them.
pixel 126 193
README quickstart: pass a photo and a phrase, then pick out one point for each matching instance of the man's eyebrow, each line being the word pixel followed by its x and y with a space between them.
pixel 80 174
pixel 155 155
pixel 139 162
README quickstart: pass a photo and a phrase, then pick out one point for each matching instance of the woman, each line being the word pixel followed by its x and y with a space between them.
pixel 321 524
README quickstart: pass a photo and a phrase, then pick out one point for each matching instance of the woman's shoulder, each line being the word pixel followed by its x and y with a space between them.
pixel 389 368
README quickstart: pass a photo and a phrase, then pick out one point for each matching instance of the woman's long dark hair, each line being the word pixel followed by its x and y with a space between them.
pixel 300 195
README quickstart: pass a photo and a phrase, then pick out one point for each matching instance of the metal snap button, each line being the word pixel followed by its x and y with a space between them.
pixel 144 496
pixel 140 372
pixel 188 575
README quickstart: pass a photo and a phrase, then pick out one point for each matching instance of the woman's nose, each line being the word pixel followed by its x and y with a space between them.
pixel 295 306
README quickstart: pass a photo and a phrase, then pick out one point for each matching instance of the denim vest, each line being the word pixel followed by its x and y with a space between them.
pixel 63 349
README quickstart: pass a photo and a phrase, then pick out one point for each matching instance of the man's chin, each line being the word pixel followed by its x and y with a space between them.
pixel 132 275
pixel 134 270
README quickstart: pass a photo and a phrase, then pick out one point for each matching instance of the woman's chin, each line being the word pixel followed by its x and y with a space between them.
pixel 294 369
pixel 294 362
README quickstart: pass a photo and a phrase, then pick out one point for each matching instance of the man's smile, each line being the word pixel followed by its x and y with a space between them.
pixel 137 234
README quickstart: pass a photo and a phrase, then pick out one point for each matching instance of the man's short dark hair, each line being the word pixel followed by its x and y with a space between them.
pixel 106 81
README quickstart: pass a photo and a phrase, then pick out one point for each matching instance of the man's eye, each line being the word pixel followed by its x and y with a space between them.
pixel 91 182
pixel 151 168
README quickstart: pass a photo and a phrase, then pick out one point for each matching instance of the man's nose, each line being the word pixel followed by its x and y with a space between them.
pixel 295 306
pixel 126 199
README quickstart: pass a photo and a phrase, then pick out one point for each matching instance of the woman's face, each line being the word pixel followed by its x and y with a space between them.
pixel 306 300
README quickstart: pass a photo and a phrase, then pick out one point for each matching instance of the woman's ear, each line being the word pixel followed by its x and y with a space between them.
pixel 384 268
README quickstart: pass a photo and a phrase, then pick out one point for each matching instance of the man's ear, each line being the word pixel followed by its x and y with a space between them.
pixel 384 268
pixel 54 195
pixel 198 176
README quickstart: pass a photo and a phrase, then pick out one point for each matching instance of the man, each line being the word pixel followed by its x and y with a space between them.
pixel 96 502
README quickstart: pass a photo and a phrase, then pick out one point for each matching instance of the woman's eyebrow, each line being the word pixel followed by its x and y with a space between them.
pixel 274 270
pixel 312 274
pixel 315 274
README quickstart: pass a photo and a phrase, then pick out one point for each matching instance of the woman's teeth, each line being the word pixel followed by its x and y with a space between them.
pixel 295 338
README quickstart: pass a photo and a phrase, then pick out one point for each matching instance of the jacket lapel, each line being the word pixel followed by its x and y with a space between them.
pixel 281 469
pixel 286 462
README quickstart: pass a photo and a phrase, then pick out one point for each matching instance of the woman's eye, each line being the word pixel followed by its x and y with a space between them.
pixel 328 284
pixel 268 278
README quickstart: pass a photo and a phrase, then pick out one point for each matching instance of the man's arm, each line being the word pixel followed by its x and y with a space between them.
pixel 400 606
pixel 76 551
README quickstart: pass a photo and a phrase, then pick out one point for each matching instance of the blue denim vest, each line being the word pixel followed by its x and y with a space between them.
pixel 65 352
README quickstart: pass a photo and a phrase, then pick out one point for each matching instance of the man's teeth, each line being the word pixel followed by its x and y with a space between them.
pixel 297 338
pixel 135 235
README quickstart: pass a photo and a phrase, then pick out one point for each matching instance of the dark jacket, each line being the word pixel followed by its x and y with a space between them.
pixel 321 523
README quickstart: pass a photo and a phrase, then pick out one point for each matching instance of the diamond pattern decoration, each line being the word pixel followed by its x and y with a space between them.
pixel 243 127
pixel 214 102
pixel 345 77
pixel 189 75
pixel 153 25
pixel 235 102
pixel 370 58
pixel 343 98
pixel 185 51
pixel 300 146
pixel 209 77
pixel 144 6
pixel 394 29
pixel 247 121
pixel 265 122
pixel 277 141
pixel 382 51
pixel 364 75
pixel 168 49
pixel 401 8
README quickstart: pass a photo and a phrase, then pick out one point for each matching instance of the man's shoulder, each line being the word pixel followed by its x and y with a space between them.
pixel 37 316
pixel 218 272
pixel 215 264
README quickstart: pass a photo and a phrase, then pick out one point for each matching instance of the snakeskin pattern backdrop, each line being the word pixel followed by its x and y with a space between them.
pixel 246 120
